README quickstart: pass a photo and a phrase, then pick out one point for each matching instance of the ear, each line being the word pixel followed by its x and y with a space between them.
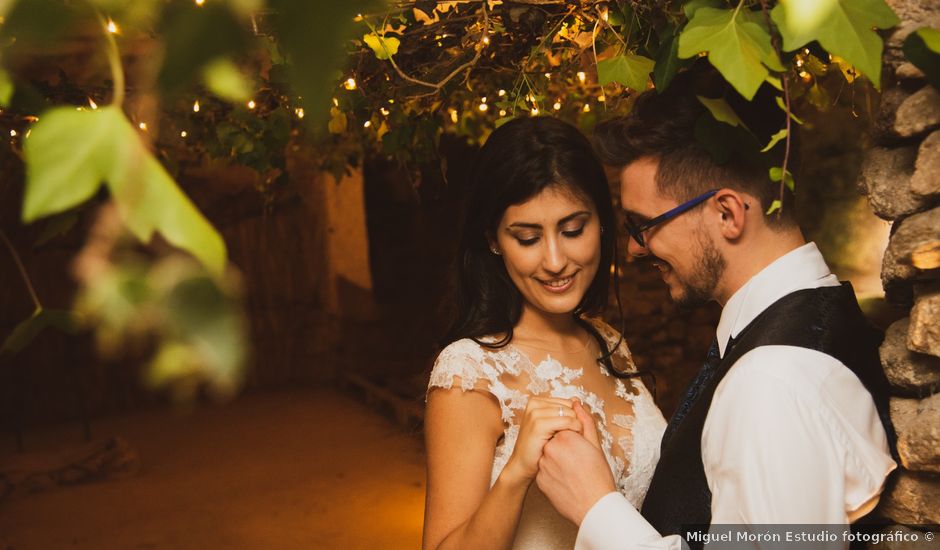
pixel 733 208
pixel 492 243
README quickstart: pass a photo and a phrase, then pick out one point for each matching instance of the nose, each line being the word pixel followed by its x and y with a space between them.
pixel 635 249
pixel 555 258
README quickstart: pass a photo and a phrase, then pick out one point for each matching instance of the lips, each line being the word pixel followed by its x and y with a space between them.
pixel 558 285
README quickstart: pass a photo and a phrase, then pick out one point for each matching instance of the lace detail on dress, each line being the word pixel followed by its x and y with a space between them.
pixel 625 412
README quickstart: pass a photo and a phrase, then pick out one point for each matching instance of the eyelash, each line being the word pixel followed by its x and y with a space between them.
pixel 574 233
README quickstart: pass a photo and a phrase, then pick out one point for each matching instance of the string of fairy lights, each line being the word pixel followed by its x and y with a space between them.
pixel 593 93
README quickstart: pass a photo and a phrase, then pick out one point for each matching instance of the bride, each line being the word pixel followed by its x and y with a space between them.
pixel 524 360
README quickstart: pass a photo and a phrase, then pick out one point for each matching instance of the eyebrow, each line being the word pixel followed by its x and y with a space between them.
pixel 562 221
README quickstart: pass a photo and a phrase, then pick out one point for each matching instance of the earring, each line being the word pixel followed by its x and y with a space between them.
pixel 602 230
pixel 494 250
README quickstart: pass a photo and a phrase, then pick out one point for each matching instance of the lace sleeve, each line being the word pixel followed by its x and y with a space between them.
pixel 461 364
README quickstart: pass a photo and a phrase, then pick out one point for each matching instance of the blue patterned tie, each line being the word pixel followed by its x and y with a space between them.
pixel 712 360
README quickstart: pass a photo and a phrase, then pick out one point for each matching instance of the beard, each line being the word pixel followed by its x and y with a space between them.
pixel 699 289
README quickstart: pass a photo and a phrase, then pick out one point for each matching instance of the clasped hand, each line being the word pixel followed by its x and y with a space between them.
pixel 558 445
pixel 542 419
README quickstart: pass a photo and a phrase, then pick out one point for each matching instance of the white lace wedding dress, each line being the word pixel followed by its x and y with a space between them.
pixel 629 423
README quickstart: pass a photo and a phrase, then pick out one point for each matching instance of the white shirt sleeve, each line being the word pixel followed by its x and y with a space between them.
pixel 791 436
pixel 614 524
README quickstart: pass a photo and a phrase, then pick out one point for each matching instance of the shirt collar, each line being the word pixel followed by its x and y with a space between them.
pixel 801 268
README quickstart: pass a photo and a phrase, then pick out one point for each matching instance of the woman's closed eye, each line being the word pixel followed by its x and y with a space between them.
pixel 526 239
pixel 575 232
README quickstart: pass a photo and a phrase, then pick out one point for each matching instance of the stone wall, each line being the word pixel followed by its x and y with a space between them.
pixel 901 176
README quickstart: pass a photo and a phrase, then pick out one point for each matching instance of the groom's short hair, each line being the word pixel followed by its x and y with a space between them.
pixel 673 127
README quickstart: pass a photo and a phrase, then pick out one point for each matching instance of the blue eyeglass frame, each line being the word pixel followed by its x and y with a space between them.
pixel 637 231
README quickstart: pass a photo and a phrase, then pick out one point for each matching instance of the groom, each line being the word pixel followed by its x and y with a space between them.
pixel 787 422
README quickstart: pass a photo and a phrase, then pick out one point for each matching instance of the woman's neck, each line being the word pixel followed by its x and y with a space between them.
pixel 550 330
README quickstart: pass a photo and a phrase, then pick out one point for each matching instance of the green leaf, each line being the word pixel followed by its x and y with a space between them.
pixel 722 112
pixel 922 48
pixel 194 37
pixel 843 27
pixel 68 155
pixel 6 88
pixel 783 107
pixel 693 6
pixel 226 81
pixel 633 71
pixel 383 47
pixel 775 139
pixel 26 331
pixel 316 55
pixel 71 153
pixel 931 38
pixel 774 206
pixel 667 62
pixel 775 174
pixel 737 43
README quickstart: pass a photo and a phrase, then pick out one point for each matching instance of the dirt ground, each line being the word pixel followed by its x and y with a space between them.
pixel 290 469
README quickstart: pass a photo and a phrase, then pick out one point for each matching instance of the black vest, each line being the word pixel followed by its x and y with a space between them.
pixel 825 319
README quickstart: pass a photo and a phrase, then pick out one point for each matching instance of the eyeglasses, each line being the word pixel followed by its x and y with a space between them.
pixel 636 231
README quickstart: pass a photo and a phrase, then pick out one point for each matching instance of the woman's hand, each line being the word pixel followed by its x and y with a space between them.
pixel 542 419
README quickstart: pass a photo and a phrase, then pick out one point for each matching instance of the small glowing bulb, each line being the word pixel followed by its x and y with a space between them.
pixel 602 98
pixel 350 84
pixel 453 116
pixel 367 123
pixel 12 133
pixel 358 17
pixel 299 111
pixel 502 93
pixel 384 111
pixel 548 75
pixel 142 126
pixel 251 104
pixel 535 111
pixel 502 112
pixel 582 76
pixel 200 2
pixel 196 106
pixel 587 108
pixel 483 107
pixel 483 99
pixel 799 62
pixel 486 40
pixel 391 101
pixel 184 133
pixel 530 98
pixel 557 106
pixel 92 104
pixel 806 51
pixel 605 14
pixel 335 102
pixel 112 26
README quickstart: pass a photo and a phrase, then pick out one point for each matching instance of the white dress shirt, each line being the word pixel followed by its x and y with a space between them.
pixel 792 436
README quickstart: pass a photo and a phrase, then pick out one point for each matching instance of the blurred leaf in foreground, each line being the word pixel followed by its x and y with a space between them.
pixel 71 153
pixel 313 36
pixel 26 331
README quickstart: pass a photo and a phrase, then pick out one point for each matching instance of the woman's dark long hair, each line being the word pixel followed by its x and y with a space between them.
pixel 519 160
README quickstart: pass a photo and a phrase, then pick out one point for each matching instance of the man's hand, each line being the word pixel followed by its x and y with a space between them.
pixel 573 472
